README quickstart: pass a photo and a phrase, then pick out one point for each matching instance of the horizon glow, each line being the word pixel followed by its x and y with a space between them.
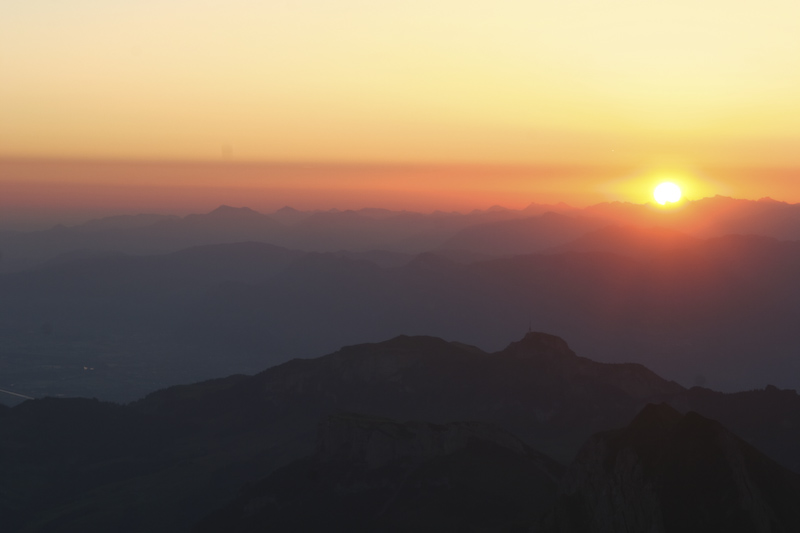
pixel 618 89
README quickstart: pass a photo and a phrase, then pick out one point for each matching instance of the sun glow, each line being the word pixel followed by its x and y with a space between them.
pixel 667 192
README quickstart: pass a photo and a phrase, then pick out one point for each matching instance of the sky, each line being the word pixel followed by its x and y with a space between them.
pixel 607 91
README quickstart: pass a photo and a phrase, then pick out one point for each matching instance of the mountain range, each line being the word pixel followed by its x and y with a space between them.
pixel 694 310
pixel 495 231
pixel 685 419
pixel 333 434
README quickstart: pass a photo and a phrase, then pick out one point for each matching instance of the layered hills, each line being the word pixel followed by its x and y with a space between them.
pixel 162 463
pixel 495 231
pixel 693 310
pixel 416 431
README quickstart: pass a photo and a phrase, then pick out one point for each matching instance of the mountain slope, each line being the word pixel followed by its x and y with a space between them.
pixel 537 388
pixel 161 463
pixel 668 472
pixel 372 474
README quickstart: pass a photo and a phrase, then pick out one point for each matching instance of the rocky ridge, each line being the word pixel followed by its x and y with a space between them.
pixel 668 472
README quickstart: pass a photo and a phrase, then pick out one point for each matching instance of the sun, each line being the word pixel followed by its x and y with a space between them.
pixel 667 192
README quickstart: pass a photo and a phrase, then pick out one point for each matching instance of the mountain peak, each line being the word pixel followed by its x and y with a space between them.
pixel 540 345
pixel 231 219
pixel 228 210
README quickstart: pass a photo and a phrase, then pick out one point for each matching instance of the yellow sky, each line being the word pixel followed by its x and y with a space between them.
pixel 522 82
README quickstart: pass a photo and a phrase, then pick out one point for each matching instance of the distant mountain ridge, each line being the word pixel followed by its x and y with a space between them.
pixel 322 231
pixel 496 231
pixel 692 310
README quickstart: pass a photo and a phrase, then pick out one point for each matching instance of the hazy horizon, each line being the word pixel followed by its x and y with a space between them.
pixel 37 193
pixel 116 107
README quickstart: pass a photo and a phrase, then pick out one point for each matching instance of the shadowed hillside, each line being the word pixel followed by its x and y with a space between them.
pixel 674 473
pixel 373 474
pixel 182 451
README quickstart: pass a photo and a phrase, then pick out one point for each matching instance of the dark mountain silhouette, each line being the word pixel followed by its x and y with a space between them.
pixel 196 444
pixel 664 472
pixel 767 418
pixel 703 294
pixel 55 452
pixel 163 462
pixel 371 474
pixel 674 473
pixel 537 388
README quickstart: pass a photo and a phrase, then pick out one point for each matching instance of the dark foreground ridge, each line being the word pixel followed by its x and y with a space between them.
pixel 665 472
pixel 164 462
pixel 671 472
pixel 371 474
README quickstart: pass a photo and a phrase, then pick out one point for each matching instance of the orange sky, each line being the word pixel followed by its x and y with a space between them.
pixel 191 187
pixel 83 189
pixel 576 101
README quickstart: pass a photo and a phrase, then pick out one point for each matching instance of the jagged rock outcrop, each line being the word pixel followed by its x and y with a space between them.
pixel 668 472
pixel 541 346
